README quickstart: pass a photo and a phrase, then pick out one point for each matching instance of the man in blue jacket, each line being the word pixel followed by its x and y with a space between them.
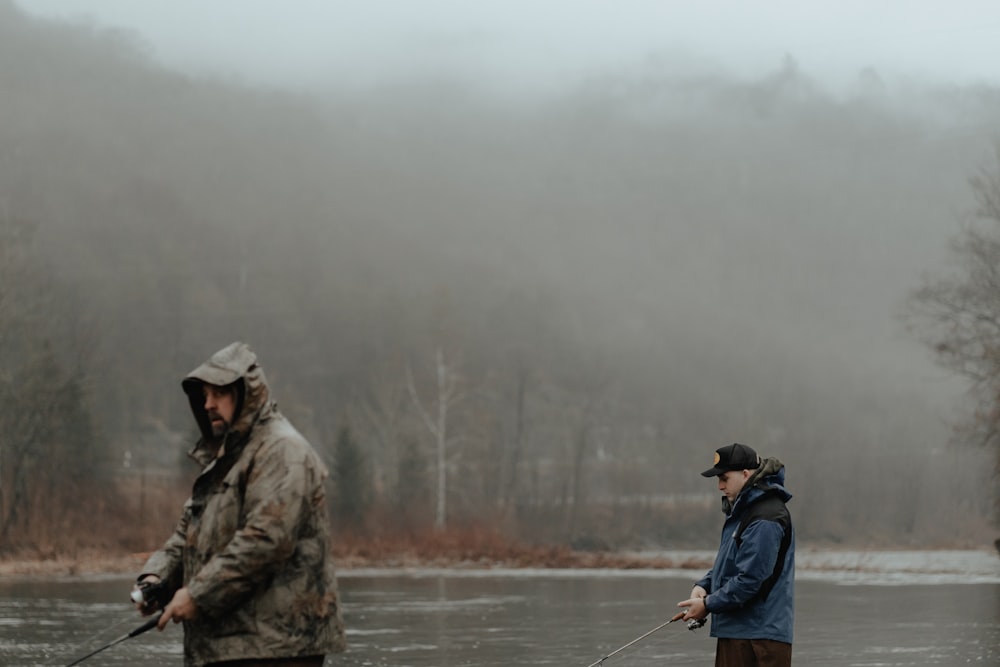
pixel 749 591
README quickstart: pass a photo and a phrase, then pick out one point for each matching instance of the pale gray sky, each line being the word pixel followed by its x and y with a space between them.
pixel 531 44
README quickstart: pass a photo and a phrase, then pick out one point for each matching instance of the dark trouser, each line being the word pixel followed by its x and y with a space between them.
pixel 308 661
pixel 752 653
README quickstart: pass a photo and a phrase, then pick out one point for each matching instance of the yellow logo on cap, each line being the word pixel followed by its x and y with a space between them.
pixel 717 459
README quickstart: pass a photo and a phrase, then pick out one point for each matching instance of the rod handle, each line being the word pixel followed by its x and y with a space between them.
pixel 148 625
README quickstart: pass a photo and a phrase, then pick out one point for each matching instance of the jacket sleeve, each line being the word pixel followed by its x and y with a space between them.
pixel 167 563
pixel 705 582
pixel 755 561
pixel 273 504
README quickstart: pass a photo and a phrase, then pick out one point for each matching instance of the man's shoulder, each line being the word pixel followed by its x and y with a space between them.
pixel 769 506
pixel 277 436
pixel 276 425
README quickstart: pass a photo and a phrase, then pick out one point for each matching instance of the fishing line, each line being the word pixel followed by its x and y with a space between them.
pixel 660 649
pixel 692 625
pixel 663 651
pixel 88 640
pixel 665 648
pixel 148 625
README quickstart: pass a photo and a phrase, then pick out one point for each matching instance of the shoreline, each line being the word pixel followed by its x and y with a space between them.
pixel 97 565
pixel 809 559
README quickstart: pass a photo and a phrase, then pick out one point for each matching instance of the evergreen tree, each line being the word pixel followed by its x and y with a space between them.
pixel 411 507
pixel 353 490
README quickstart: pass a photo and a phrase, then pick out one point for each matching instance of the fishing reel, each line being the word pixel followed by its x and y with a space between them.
pixel 694 624
pixel 151 594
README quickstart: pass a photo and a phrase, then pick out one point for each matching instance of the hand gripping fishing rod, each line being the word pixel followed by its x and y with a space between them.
pixel 692 625
pixel 148 625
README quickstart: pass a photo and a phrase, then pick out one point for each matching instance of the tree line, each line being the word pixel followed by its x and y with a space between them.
pixel 541 318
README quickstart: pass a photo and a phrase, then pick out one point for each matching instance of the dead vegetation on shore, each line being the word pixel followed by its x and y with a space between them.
pixel 459 549
pixel 486 550
pixel 22 564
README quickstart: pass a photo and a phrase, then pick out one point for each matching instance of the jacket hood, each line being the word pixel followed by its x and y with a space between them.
pixel 234 364
pixel 769 477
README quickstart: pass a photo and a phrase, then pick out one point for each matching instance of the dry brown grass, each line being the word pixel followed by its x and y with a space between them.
pixel 472 548
pixel 81 563
pixel 456 548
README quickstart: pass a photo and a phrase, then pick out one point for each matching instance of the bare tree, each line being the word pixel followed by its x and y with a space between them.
pixel 521 378
pixel 958 314
pixel 382 412
pixel 47 437
pixel 448 393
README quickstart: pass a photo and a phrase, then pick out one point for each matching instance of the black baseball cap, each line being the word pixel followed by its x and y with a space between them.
pixel 733 457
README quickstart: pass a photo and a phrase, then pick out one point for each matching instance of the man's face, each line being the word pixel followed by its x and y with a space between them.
pixel 220 406
pixel 731 483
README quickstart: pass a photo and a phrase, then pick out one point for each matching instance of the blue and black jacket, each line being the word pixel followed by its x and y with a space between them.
pixel 751 586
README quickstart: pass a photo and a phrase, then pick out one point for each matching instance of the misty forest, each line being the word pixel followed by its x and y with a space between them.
pixel 537 316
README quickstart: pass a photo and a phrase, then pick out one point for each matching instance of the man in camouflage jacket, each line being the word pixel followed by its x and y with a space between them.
pixel 249 563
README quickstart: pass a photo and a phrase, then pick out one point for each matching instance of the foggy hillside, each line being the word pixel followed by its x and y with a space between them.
pixel 657 264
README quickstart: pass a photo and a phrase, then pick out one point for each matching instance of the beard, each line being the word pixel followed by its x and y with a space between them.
pixel 219 425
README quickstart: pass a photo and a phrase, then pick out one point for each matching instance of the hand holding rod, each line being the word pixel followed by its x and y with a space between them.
pixel 148 625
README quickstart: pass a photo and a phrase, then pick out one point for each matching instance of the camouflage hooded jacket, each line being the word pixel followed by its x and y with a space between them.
pixel 252 545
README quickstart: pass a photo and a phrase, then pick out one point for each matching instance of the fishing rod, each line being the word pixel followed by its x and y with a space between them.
pixel 692 625
pixel 148 625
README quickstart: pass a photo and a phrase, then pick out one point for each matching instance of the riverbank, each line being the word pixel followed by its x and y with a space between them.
pixel 374 555
pixel 100 563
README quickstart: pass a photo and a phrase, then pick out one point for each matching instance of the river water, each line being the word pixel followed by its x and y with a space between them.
pixel 871 610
